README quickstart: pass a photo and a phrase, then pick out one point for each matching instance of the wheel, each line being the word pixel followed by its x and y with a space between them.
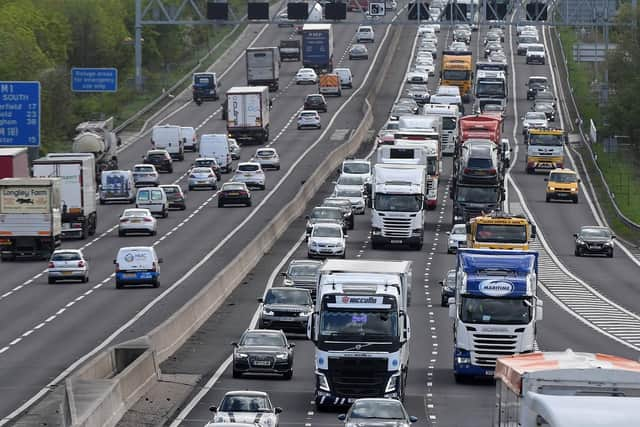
pixel 220 204
pixel 287 375
pixel 443 301
pixel 249 204
pixel 121 233
pixel 153 233
pixel 102 201
pixel 156 283
pixel 578 252
pixel 547 198
pixel 299 128
pixel 85 279
pixel 344 255
pixel 575 199
pixel 277 168
pixel 237 374
pixel 183 207
pixel 459 378
pixel 375 245
pixel 610 253
pixel 165 213
pixel 119 285
pixel 529 170
pixel 51 280
pixel 170 170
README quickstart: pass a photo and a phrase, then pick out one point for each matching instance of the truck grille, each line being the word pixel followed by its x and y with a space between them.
pixel 351 377
pixel 469 213
pixel 396 227
pixel 487 348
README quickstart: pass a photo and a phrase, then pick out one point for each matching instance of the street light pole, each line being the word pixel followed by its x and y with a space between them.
pixel 138 45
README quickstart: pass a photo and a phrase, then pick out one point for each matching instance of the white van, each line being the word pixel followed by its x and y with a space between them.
pixel 154 199
pixel 346 78
pixel 190 138
pixel 216 145
pixel 117 186
pixel 137 265
pixel 170 138
pixel 448 100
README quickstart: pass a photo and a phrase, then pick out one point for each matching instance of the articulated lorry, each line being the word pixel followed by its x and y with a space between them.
pixel 97 137
pixel 545 149
pixel 263 67
pixel 30 218
pixel 449 115
pixel 317 47
pixel 495 308
pixel 77 191
pixel 567 389
pixel 361 332
pixel 247 113
pixel 500 230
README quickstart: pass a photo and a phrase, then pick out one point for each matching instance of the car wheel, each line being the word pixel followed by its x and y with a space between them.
pixel 102 201
pixel 443 301
pixel 299 128
pixel 121 233
pixel 220 204
pixel 576 252
pixel 51 280
pixel 610 253
pixel 287 375
pixel 86 279
pixel 156 283
pixel 119 285
pixel 153 232
pixel 165 213
pixel 344 255
pixel 237 374
pixel 170 170
pixel 579 252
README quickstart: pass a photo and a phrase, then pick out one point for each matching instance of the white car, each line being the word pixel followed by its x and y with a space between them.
pixel 67 264
pixel 306 75
pixel 457 238
pixel 459 46
pixel 536 54
pixel 202 177
pixel 365 33
pixel 145 175
pixel 251 407
pixel 326 239
pixel 355 194
pixel 268 158
pixel 251 174
pixel 309 118
pixel 137 221
pixel 425 67
pixel 429 38
pixel 534 119
pixel 417 77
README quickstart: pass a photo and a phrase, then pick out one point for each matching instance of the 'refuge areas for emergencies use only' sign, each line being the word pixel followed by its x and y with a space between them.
pixel 94 79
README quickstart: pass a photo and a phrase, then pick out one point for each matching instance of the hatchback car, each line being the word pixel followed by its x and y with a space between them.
pixel 562 184
pixel 251 174
pixel 323 215
pixel 161 159
pixel 145 175
pixel 208 162
pixel 287 309
pixel 457 238
pixel 545 107
pixel 303 274
pixel 306 76
pixel 535 84
pixel 533 119
pixel 358 51
pixel 309 119
pixel 354 195
pixel 67 264
pixel 418 93
pixel 594 240
pixel 202 178
pixel 378 412
pixel 345 205
pixel 268 158
pixel 327 240
pixel 365 33
pixel 234 193
pixel 239 407
pixel 175 196
pixel 234 149
pixel 315 101
pixel 137 221
pixel 263 351
pixel 448 287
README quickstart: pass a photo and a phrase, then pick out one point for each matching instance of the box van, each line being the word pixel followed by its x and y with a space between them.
pixel 346 78
pixel 448 100
pixel 117 186
pixel 216 145
pixel 137 266
pixel 154 199
pixel 329 84
pixel 190 138
pixel 170 138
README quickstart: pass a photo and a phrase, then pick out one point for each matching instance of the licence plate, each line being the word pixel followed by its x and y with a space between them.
pixel 129 275
pixel 563 194
pixel 135 220
pixel 287 319
pixel 67 273
pixel 396 241
pixel 489 372
pixel 233 194
pixel 261 363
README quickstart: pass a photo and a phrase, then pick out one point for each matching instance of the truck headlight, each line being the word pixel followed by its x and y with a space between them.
pixel 323 384
pixel 304 314
pixel 416 231
pixel 392 383
pixel 457 218
pixel 573 190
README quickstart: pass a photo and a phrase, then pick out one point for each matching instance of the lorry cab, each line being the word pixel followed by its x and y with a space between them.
pixel 205 87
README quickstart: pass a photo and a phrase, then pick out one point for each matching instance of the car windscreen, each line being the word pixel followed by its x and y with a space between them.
pixel 65 256
pixel 200 171
pixel 303 270
pixel 379 409
pixel 326 232
pixel 287 296
pixel 326 213
pixel 456 75
pixel 257 338
pixel 449 123
pixel 143 169
pixel 563 177
pixel 588 233
pixel 348 193
pixel 476 194
pixel 356 168
pixel 350 180
pixel 244 404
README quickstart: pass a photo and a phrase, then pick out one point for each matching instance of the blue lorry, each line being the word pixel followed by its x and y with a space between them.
pixel 317 47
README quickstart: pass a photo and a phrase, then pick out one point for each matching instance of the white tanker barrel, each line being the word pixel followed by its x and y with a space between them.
pixel 89 142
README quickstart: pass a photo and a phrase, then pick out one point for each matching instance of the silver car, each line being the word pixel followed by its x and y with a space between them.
pixel 202 177
pixel 268 158
pixel 68 264
pixel 457 238
pixel 137 221
pixel 145 175
pixel 309 119
pixel 234 148
pixel 355 194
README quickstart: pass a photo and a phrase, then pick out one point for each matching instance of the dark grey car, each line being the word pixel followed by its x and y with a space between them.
pixel 344 204
pixel 287 309
pixel 302 273
pixel 263 351
pixel 594 240
pixel 448 288
pixel 325 214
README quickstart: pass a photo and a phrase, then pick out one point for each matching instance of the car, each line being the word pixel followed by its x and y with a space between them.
pixel 324 215
pixel 448 90
pixel 545 107
pixel 424 67
pixel 283 19
pixel 250 173
pixel 346 77
pixel 594 240
pixel 234 193
pixel 498 108
pixel 358 51
pixel 309 119
pixel 448 287
pixel 535 54
pixel 365 33
pixel 496 34
pixel 268 158
pixel 429 38
pixel 286 309
pixel 425 28
pixel 263 351
pixel 202 177
pixel 462 36
pixel 359 167
pixel 498 56
pixel 457 238
pixel 524 41
pixel 479 163
pixel 137 220
pixel 345 205
pixel 302 274
pixel 145 175
pixel 492 47
pixel 315 101
pixel 306 75
pixel 327 239
pixel 234 149
pixel 67 264
pixel 533 119
pixel 137 265
pixel 546 96
pixel 190 138
pixel 460 46
pixel 562 184
pixel 245 407
pixel 350 180
pixel 536 84
pixel 377 412
pixel 492 36
pixel 355 196
pixel 161 159
pixel 175 196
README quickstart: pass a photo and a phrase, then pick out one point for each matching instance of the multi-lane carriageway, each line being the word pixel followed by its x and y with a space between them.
pixel 46 328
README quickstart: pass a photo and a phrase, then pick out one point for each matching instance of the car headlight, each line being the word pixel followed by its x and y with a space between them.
pixel 304 314
pixel 267 312
pixel 242 355
pixel 323 384
pixel 574 189
pixel 392 383
pixel 608 243
pixel 219 419
pixel 282 356
pixel 580 241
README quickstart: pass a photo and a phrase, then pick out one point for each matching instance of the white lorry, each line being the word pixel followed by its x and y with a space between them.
pixel 30 219
pixel 397 215
pixel 263 67
pixel 449 115
pixel 77 191
pixel 567 389
pixel 247 113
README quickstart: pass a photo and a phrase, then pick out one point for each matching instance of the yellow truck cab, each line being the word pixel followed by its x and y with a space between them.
pixel 457 70
pixel 500 230
pixel 562 184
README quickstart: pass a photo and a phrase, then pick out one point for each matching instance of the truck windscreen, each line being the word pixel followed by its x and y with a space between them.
pixel 490 89
pixel 398 202
pixel 449 123
pixel 507 311
pixel 461 75
pixel 548 140
pixel 501 233
pixel 359 322
pixel 477 194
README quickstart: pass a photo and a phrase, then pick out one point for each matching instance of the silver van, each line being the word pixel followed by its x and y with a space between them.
pixel 346 78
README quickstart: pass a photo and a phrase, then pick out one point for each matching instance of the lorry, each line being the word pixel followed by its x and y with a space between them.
pixel 14 162
pixel 495 308
pixel 317 47
pixel 30 217
pixel 290 50
pixel 457 70
pixel 77 191
pixel 449 115
pixel 500 230
pixel 397 215
pixel 491 87
pixel 361 334
pixel 567 389
pixel 97 137
pixel 263 67
pixel 545 149
pixel 247 113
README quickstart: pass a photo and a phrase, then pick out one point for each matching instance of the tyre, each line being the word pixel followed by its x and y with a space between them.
pixel 375 245
pixel 547 198
pixel 287 375
pixel 121 233
pixel 249 203
pixel 102 201
pixel 153 233
pixel 575 199
pixel 220 204
pixel 610 253
pixel 578 252
pixel 344 255
pixel 51 280
pixel 119 285
pixel 156 283
pixel 443 302
pixel 458 378
pixel 85 279
pixel 170 170
pixel 236 374
pixel 165 213
pixel 277 168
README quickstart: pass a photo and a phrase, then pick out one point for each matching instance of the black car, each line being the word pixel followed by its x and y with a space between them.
pixel 287 309
pixel 175 196
pixel 234 193
pixel 594 240
pixel 302 274
pixel 263 351
pixel 161 159
pixel 358 51
pixel 345 205
pixel 448 288
pixel 209 162
pixel 315 102
pixel 536 84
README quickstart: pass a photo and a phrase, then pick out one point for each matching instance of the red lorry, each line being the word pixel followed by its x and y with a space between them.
pixel 14 162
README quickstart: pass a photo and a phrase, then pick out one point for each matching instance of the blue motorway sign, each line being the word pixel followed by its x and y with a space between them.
pixel 94 79
pixel 19 114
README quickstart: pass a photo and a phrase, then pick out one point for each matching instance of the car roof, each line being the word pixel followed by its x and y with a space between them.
pixel 246 393
pixel 563 170
pixel 265 331
pixel 75 251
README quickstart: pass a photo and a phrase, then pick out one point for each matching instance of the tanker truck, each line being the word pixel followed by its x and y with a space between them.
pixel 97 137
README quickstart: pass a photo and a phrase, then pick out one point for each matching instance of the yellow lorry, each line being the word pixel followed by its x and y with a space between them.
pixel 500 230
pixel 457 70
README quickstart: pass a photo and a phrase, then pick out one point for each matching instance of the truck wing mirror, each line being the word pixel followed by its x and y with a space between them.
pixel 283 274
pixel 467 227
pixel 534 231
pixel 452 307
pixel 119 142
pixel 260 299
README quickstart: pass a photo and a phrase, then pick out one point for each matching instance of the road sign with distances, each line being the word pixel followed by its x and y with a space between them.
pixel 19 114
pixel 376 9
